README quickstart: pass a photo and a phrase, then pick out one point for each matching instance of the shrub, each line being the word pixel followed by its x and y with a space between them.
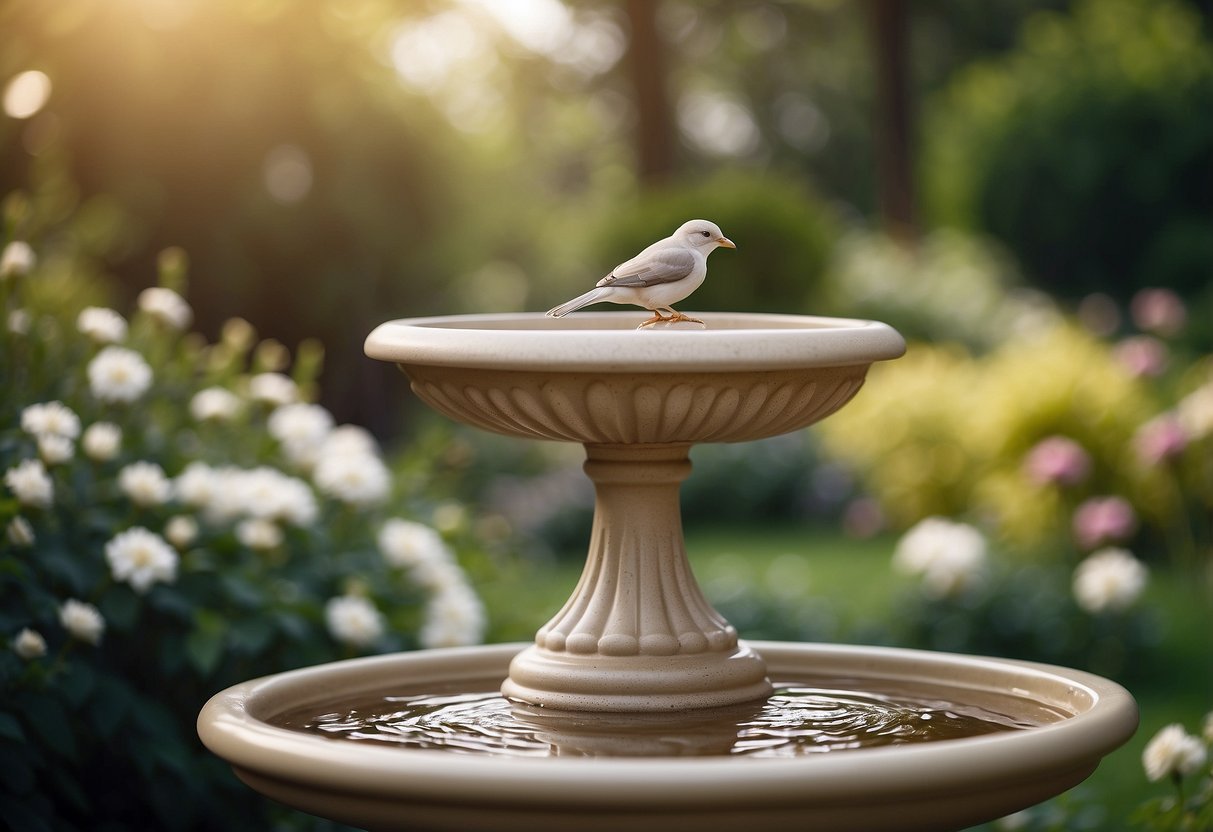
pixel 1057 439
pixel 177 517
pixel 1088 150
pixel 951 286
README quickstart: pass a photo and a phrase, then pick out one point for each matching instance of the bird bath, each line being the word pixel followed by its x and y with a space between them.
pixel 637 694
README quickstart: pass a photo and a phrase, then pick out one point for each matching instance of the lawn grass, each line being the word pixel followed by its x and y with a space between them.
pixel 808 567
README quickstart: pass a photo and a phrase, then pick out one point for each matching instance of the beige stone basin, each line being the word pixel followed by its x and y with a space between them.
pixel 934 786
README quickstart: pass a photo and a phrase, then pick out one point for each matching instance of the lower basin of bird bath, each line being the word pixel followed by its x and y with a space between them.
pixel 637 778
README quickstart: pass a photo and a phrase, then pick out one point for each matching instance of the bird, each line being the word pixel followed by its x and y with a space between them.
pixel 663 274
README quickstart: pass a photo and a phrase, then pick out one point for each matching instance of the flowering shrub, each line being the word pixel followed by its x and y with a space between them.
pixel 1052 439
pixel 1171 755
pixel 1175 755
pixel 970 599
pixel 177 517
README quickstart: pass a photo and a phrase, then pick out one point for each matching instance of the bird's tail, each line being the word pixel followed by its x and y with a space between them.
pixel 576 303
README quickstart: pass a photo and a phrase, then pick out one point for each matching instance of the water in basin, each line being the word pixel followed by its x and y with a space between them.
pixel 804 716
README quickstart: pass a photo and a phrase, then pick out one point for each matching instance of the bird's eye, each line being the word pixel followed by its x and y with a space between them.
pixel 706 233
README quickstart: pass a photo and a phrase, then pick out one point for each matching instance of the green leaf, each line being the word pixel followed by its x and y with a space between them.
pixel 172 602
pixel 78 682
pixel 109 706
pixel 120 608
pixel 204 647
pixel 62 566
pixel 252 636
pixel 242 592
pixel 17 815
pixel 295 627
pixel 19 777
pixel 10 728
pixel 50 721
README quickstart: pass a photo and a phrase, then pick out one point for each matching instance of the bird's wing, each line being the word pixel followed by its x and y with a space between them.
pixel 663 266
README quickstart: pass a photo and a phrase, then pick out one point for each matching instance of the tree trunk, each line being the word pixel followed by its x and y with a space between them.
pixel 654 124
pixel 894 119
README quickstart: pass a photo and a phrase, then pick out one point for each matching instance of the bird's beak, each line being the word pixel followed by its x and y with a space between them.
pixel 726 243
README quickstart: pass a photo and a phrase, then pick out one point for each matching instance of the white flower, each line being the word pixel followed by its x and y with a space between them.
pixel 29 644
pixel 269 494
pixel 102 325
pixel 82 621
pixel 19 532
pixel 349 439
pixel 360 480
pixel 218 492
pixel 117 374
pixel 50 419
pixel 950 557
pixel 1207 727
pixel 257 533
pixel 301 429
pixel 17 259
pixel 30 483
pixel 197 485
pixel 166 306
pixel 19 322
pixel 405 543
pixel 181 530
pixel 273 388
pixel 215 404
pixel 101 441
pixel 1109 580
pixel 353 619
pixel 55 450
pixel 145 484
pixel 141 558
pixel 228 494
pixel 1173 752
pixel 453 618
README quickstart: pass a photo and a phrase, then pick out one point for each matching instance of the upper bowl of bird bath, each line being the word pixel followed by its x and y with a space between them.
pixel 594 378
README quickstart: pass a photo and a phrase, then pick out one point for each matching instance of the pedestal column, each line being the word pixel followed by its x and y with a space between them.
pixel 637 633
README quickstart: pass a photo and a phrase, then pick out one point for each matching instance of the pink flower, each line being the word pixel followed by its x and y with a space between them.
pixel 1102 520
pixel 1142 356
pixel 1057 460
pixel 863 518
pixel 1160 311
pixel 1160 439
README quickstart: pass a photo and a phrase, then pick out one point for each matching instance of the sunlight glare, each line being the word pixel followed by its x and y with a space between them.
pixel 717 124
pixel 26 94
pixel 427 52
pixel 287 172
pixel 542 26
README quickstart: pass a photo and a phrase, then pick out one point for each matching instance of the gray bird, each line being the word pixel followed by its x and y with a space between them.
pixel 663 274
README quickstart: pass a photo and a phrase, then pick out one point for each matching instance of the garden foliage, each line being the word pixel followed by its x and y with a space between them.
pixel 176 518
pixel 1088 150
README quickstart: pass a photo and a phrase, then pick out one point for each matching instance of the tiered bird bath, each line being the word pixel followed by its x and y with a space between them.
pixel 637 706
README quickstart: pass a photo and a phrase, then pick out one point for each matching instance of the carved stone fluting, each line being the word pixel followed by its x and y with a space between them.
pixel 621 408
pixel 637 633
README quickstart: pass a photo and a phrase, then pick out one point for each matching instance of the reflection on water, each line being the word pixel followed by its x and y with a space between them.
pixel 804 717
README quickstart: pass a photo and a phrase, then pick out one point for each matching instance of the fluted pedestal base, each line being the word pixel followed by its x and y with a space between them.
pixel 637 633
pixel 636 683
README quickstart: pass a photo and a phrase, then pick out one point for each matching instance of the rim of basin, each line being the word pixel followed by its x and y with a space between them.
pixel 1105 716
pixel 610 342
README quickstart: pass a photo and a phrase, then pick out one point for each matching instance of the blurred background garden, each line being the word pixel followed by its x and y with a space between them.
pixel 208 205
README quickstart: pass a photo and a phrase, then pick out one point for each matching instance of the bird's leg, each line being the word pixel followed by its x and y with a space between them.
pixel 676 316
pixel 657 318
